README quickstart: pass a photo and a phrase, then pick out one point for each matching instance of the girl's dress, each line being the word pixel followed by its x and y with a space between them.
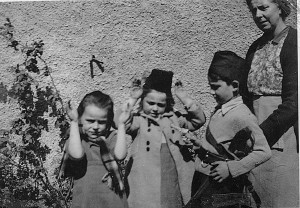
pixel 159 175
pixel 90 189
pixel 272 81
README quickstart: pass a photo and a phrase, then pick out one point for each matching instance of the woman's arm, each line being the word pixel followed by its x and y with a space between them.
pixel 286 115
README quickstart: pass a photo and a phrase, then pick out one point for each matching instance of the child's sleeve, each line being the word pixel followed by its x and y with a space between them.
pixel 69 166
pixel 73 167
pixel 260 153
pixel 195 117
pixel 115 168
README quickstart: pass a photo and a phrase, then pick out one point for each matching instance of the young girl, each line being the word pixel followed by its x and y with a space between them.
pixel 89 157
pixel 158 174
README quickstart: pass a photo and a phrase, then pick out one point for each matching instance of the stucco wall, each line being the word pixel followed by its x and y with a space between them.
pixel 128 36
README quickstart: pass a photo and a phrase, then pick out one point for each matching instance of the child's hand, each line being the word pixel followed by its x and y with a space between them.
pixel 136 89
pixel 189 137
pixel 220 171
pixel 182 95
pixel 192 138
pixel 125 115
pixel 71 112
pixel 179 90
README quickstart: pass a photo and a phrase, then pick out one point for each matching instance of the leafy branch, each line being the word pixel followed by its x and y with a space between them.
pixel 24 177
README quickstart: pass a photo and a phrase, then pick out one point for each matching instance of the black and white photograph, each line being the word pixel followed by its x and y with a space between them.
pixel 149 104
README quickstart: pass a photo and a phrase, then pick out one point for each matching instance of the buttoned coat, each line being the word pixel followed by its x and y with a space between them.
pixel 144 168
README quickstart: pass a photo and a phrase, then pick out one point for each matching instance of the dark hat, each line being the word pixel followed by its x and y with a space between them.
pixel 227 64
pixel 159 80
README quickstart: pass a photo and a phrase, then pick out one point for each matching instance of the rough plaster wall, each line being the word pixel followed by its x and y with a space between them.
pixel 128 36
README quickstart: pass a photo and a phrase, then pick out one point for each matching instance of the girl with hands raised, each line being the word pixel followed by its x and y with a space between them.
pixel 158 175
pixel 97 179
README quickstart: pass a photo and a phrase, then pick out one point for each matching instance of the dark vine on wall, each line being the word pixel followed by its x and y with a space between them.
pixel 24 180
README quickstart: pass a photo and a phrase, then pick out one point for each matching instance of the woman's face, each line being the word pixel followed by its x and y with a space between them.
pixel 266 14
pixel 154 103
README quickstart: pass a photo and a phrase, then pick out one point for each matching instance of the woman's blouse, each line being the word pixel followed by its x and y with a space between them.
pixel 265 76
pixel 286 115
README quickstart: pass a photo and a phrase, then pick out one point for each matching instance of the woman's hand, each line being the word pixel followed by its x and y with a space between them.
pixel 72 112
pixel 219 171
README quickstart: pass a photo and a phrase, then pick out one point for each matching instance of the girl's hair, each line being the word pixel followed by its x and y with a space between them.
pixel 170 99
pixel 283 5
pixel 100 100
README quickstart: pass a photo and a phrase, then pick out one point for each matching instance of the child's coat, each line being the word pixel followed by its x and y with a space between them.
pixel 145 173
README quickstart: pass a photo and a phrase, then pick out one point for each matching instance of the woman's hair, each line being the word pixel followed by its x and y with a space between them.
pixel 100 100
pixel 170 99
pixel 283 5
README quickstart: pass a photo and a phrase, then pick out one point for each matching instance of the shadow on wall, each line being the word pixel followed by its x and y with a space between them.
pixel 99 64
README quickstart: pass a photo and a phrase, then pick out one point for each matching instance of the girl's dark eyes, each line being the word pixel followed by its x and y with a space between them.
pixel 151 103
pixel 161 105
pixel 158 104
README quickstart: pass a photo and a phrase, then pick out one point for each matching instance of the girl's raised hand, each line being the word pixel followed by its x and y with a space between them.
pixel 136 89
pixel 183 96
pixel 126 113
pixel 71 112
pixel 179 90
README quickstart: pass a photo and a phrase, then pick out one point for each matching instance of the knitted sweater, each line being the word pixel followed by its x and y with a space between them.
pixel 286 115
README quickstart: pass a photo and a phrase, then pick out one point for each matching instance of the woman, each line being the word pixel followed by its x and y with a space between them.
pixel 272 90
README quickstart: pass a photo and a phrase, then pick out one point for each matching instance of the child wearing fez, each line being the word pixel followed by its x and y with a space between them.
pixel 159 176
pixel 233 133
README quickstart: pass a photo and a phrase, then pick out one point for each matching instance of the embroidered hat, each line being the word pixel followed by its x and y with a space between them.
pixel 227 64
pixel 159 80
